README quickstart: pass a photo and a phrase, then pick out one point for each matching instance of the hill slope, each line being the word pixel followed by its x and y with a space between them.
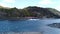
pixel 31 11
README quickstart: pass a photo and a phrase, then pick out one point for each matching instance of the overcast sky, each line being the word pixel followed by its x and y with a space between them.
pixel 24 3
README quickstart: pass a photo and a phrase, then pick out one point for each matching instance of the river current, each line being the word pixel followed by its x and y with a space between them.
pixel 30 25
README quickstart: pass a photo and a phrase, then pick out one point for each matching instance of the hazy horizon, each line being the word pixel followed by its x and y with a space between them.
pixel 26 3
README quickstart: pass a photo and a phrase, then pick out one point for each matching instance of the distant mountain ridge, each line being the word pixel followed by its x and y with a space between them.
pixel 44 12
pixel 31 11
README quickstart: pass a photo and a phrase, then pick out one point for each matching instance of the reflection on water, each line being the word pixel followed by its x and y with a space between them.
pixel 39 25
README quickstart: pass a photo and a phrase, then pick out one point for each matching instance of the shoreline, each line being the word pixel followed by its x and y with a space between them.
pixel 23 18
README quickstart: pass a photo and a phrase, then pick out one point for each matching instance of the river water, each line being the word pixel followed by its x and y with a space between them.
pixel 30 25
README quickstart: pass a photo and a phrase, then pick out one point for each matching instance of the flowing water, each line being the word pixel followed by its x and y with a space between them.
pixel 30 25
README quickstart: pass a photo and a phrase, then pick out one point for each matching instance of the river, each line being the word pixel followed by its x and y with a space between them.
pixel 30 25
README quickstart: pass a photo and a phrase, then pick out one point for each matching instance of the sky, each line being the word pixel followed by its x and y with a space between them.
pixel 25 3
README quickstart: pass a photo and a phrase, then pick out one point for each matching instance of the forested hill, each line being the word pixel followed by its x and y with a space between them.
pixel 31 11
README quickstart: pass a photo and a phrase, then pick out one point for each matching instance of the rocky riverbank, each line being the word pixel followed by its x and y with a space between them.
pixel 56 25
